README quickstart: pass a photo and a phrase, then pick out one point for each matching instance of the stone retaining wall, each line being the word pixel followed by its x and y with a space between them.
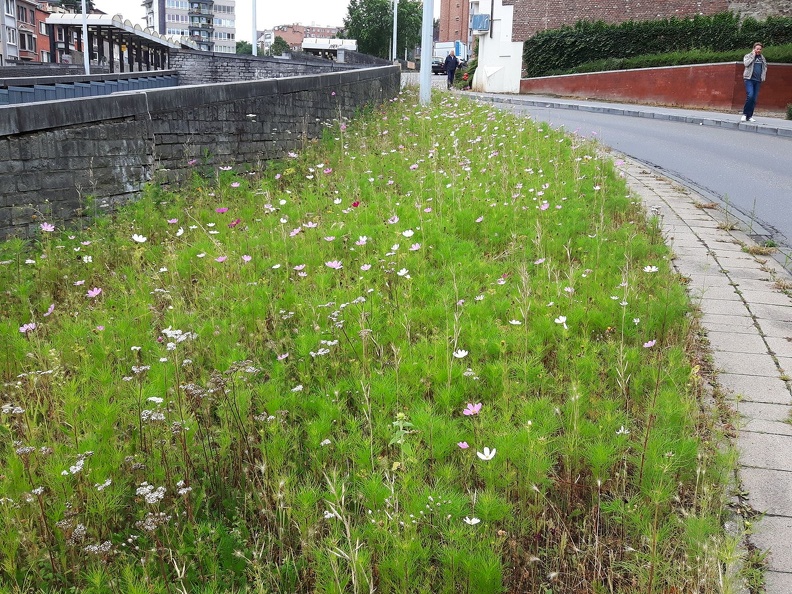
pixel 54 155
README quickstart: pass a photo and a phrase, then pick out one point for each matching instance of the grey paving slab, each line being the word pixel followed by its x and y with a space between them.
pixel 718 323
pixel 723 292
pixel 768 296
pixel 751 364
pixel 782 347
pixel 785 363
pixel 738 273
pixel 778 313
pixel 768 490
pixel 771 427
pixel 765 450
pixel 774 530
pixel 775 328
pixel 763 411
pixel 724 307
pixel 777 582
pixel 736 343
pixel 755 389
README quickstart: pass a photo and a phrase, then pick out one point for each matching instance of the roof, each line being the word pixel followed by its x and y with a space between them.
pixel 97 21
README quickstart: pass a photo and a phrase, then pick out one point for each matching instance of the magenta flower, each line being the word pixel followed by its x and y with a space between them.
pixel 544 206
pixel 246 258
pixel 95 292
pixel 393 220
pixel 463 445
pixel 27 328
pixel 50 310
pixel 192 162
pixel 234 223
pixel 47 227
pixel 283 356
pixel 172 221
pixel 650 344
pixel 328 170
pixel 99 328
pixel 334 264
pixel 414 166
pixel 220 259
pixel 472 409
pixel 221 210
pixel 299 267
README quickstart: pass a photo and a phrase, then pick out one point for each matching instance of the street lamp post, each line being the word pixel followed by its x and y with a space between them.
pixel 425 89
pixel 255 32
pixel 85 49
pixel 394 55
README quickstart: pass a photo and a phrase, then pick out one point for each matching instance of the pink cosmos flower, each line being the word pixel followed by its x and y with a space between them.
pixel 463 445
pixel 24 329
pixel 283 356
pixel 220 259
pixel 173 221
pixel 334 264
pixel 356 203
pixel 478 220
pixel 472 409
pixel 650 344
pixel 393 220
pixel 47 227
pixel 95 292
pixel 246 258
pixel 544 206
pixel 99 328
pixel 50 310
pixel 328 170
pixel 539 261
pixel 78 283
pixel 235 185
pixel 221 210
pixel 192 162
pixel 234 223
pixel 415 247
pixel 414 166
pixel 299 267
pixel 365 267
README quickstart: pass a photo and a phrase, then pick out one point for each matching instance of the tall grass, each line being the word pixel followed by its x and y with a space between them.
pixel 440 350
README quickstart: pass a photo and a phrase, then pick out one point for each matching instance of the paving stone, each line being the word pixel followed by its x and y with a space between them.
pixel 782 347
pixel 765 450
pixel 733 307
pixel 777 313
pixel 763 411
pixel 774 530
pixel 768 490
pixel 778 582
pixel 737 343
pixel 725 292
pixel 770 427
pixel 775 328
pixel 749 273
pixel 768 297
pixel 755 389
pixel 720 323
pixel 752 364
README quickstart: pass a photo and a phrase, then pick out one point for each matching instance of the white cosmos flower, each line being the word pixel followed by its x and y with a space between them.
pixel 487 454
pixel 180 232
pixel 408 233
pixel 471 521
pixel 460 353
pixel 515 322
pixel 561 320
pixel 139 238
pixel 650 269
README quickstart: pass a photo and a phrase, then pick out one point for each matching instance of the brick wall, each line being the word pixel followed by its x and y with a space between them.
pixel 54 155
pixel 531 16
pixel 708 86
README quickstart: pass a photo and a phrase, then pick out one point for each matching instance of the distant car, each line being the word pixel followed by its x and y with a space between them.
pixel 438 67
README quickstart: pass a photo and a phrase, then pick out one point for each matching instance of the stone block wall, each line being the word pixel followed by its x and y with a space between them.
pixel 55 155
pixel 532 16
pixel 196 67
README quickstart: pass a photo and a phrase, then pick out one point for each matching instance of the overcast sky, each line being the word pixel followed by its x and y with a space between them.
pixel 268 13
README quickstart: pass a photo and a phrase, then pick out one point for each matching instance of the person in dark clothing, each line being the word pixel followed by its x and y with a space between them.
pixel 753 75
pixel 451 63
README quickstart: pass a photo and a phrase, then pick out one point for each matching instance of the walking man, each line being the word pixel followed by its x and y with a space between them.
pixel 754 74
pixel 451 63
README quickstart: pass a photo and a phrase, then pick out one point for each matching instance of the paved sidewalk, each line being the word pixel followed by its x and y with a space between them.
pixel 749 325
pixel 763 125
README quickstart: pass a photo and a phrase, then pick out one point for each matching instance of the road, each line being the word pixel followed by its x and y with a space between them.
pixel 748 173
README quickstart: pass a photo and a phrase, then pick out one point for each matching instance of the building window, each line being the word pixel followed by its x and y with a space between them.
pixel 9 7
pixel 45 56
pixel 43 28
pixel 11 36
pixel 27 42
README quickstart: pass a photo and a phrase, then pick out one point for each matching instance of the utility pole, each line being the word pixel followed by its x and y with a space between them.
pixel 426 52
pixel 255 32
pixel 394 55
pixel 85 47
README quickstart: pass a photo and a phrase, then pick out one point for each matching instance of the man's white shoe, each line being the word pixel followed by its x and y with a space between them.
pixel 743 119
pixel 751 120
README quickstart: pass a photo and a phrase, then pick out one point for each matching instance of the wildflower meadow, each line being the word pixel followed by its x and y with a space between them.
pixel 441 349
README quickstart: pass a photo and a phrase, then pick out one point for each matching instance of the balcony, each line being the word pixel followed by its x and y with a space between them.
pixel 199 12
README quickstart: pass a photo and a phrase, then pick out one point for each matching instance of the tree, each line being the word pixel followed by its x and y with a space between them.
pixel 244 48
pixel 279 46
pixel 370 22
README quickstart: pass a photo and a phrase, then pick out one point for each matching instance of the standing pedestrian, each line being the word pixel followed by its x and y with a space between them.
pixel 451 63
pixel 753 76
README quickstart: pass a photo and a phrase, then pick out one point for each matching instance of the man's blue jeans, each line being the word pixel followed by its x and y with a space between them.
pixel 751 92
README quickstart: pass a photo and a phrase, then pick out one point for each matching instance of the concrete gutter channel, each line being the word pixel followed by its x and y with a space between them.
pixel 748 321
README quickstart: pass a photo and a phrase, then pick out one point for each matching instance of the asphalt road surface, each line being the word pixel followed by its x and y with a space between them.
pixel 749 173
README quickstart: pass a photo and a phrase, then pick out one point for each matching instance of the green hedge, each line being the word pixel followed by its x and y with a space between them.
pixel 562 50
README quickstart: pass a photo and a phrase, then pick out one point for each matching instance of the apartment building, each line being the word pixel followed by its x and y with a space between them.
pixel 209 23
pixel 294 34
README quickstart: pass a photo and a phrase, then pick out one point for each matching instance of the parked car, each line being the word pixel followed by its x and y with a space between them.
pixel 438 67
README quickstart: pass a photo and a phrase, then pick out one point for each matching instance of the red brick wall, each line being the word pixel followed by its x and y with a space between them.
pixel 454 20
pixel 715 86
pixel 531 16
